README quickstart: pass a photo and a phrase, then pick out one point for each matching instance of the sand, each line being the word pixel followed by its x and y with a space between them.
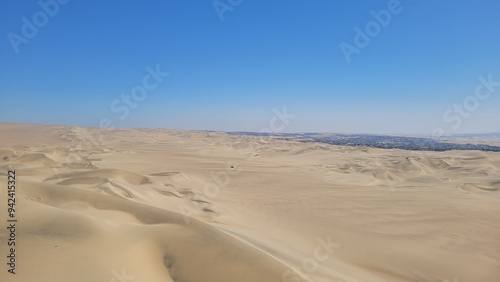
pixel 150 205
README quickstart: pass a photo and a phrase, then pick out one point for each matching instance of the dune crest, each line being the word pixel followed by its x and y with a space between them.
pixel 186 206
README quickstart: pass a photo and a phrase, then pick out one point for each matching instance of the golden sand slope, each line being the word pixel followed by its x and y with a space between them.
pixel 165 205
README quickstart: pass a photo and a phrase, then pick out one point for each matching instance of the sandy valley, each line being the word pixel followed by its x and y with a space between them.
pixel 150 205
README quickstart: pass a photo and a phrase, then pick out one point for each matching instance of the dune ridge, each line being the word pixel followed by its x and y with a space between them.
pixel 185 206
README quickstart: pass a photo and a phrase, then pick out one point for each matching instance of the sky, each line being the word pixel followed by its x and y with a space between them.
pixel 398 67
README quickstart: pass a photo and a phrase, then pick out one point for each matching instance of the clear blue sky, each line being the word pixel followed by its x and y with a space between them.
pixel 230 74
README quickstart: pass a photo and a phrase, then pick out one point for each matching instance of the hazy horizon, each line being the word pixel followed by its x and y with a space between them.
pixel 494 134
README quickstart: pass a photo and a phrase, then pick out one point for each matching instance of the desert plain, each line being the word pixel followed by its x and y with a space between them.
pixel 151 205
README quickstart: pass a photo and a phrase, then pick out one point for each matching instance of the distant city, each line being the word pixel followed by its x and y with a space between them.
pixel 381 141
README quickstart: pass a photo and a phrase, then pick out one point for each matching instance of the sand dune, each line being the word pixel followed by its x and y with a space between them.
pixel 166 205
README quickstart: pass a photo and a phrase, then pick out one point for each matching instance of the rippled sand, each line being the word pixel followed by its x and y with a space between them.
pixel 164 205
